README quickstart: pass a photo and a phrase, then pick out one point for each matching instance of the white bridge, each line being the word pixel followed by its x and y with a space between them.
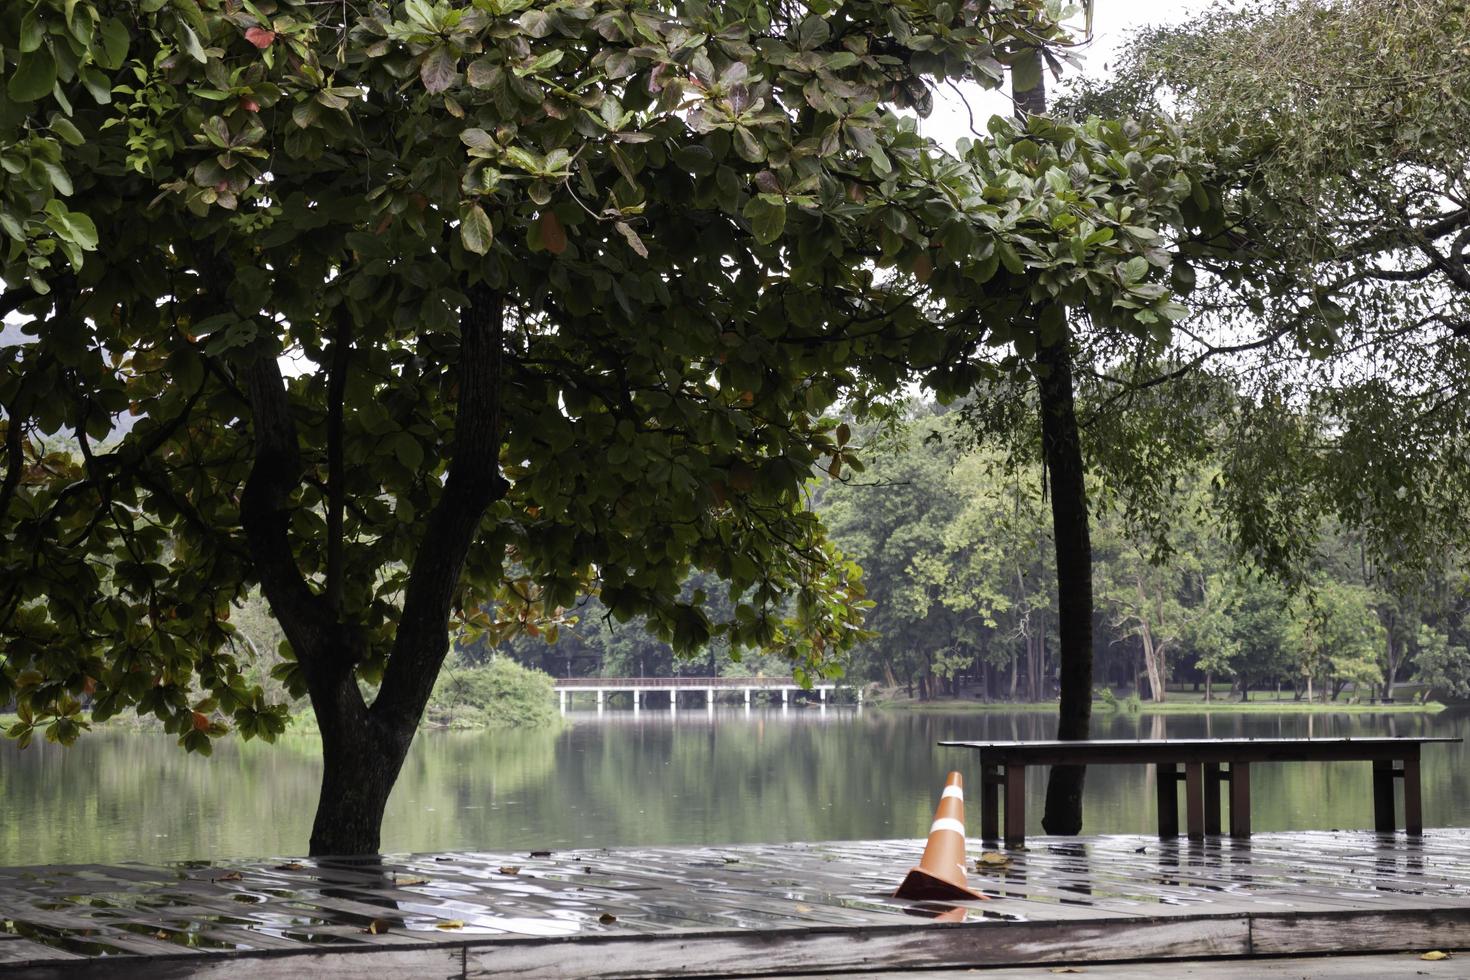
pixel 709 687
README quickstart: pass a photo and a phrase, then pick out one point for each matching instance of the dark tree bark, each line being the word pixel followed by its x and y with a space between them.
pixel 364 746
pixel 1062 449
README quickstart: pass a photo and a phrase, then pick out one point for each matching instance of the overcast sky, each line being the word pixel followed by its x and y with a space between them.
pixel 1113 21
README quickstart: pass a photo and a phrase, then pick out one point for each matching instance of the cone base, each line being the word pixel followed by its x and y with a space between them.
pixel 920 885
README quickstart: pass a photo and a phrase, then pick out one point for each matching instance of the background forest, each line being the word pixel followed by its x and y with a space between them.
pixel 953 537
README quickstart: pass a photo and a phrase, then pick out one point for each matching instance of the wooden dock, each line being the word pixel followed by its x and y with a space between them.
pixel 748 910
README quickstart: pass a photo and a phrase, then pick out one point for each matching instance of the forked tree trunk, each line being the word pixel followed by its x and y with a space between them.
pixel 364 746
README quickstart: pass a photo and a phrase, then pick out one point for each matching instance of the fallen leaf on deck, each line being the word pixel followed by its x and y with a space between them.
pixel 732 860
pixel 1067 969
pixel 991 859
pixel 160 934
pixel 449 924
pixel 230 876
pixel 607 918
pixel 510 869
pixel 1435 954
pixel 410 881
pixel 540 854
pixel 378 926
pixel 289 866
pixel 803 908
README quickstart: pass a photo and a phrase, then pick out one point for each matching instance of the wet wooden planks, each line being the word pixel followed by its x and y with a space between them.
pixel 755 909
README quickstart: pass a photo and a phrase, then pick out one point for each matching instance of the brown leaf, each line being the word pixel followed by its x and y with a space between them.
pixel 230 876
pixel 540 854
pixel 378 926
pixel 449 924
pixel 260 37
pixel 631 237
pixel 510 869
pixel 409 881
pixel 553 235
pixel 1066 969
pixel 290 866
pixel 607 918
pixel 160 934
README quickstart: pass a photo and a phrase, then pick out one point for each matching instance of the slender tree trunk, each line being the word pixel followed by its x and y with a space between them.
pixel 1209 686
pixel 1061 444
pixel 1062 448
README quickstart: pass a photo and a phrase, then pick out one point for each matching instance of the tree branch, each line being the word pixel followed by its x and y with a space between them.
pixel 472 484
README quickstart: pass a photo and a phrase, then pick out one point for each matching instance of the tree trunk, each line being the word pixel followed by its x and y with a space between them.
pixel 1062 446
pixel 1209 686
pixel 363 747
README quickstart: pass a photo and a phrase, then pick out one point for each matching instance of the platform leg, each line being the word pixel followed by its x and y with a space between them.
pixel 1240 799
pixel 1383 816
pixel 1194 799
pixel 1015 805
pixel 1413 814
pixel 1212 798
pixel 1166 775
pixel 990 782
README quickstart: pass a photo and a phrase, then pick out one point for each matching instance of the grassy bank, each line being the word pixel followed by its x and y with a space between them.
pixel 1175 705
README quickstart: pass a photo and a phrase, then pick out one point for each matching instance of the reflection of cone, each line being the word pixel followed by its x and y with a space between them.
pixel 941 871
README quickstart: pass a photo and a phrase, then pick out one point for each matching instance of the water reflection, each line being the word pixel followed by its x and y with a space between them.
pixel 654 777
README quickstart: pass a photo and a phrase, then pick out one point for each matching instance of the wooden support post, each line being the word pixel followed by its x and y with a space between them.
pixel 1212 798
pixel 990 782
pixel 1413 813
pixel 1194 800
pixel 1015 780
pixel 1383 817
pixel 1240 799
pixel 1166 775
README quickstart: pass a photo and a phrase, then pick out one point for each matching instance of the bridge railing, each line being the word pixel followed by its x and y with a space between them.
pixel 676 682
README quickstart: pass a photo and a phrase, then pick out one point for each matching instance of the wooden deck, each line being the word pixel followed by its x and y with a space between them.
pixel 745 910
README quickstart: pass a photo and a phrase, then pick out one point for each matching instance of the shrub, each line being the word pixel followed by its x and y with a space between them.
pixel 500 694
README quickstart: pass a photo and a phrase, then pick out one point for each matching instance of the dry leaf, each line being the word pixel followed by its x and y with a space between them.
pixel 378 926
pixel 449 924
pixel 1067 969
pixel 230 876
pixel 732 860
pixel 607 918
pixel 540 854
pixel 290 866
pixel 160 934
pixel 510 869
pixel 1435 954
pixel 401 882
pixel 803 908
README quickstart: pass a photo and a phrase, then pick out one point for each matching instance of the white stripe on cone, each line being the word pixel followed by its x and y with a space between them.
pixel 948 823
pixel 953 791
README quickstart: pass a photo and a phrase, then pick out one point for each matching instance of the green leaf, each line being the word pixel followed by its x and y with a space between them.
pixel 34 77
pixel 767 220
pixel 67 130
pixel 475 231
pixel 115 42
pixel 1026 72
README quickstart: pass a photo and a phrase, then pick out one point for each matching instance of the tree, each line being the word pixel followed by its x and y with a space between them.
pixel 563 290
pixel 1334 131
pixel 1335 636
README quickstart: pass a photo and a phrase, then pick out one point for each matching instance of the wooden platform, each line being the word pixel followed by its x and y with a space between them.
pixel 744 910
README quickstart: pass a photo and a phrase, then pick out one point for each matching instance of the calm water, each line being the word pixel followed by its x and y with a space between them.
pixel 728 777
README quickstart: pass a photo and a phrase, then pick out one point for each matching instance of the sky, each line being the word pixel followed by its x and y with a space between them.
pixel 1113 21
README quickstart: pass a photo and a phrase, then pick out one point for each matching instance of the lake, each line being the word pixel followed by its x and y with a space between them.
pixel 729 776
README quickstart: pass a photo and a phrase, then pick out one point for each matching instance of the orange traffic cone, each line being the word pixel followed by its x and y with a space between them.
pixel 941 871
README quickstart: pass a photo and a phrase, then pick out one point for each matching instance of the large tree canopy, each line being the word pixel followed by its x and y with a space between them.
pixel 1338 129
pixel 431 310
